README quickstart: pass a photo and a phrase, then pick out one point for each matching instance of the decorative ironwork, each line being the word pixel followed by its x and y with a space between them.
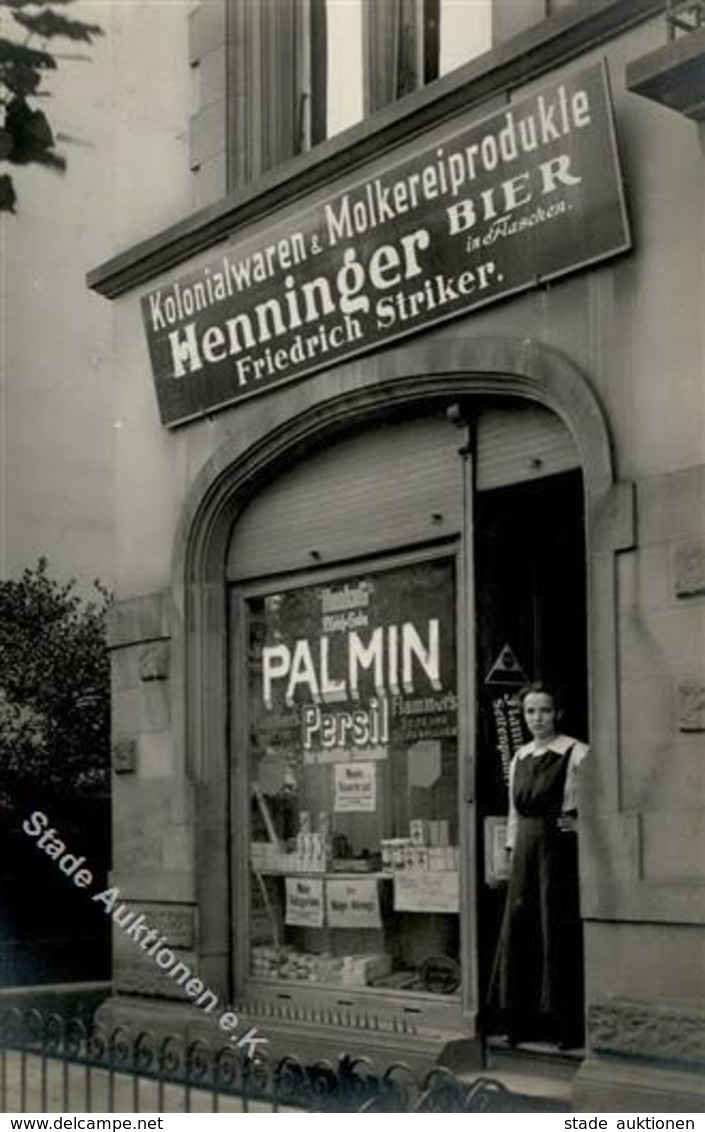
pixel 48 1061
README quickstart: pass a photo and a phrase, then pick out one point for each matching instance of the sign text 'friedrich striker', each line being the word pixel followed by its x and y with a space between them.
pixel 513 200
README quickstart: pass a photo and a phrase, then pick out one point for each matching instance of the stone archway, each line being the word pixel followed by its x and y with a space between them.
pixel 433 371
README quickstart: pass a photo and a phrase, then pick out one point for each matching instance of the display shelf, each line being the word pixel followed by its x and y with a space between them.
pixel 354 994
pixel 329 875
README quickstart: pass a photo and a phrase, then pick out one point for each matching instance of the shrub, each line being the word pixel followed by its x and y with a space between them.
pixel 54 690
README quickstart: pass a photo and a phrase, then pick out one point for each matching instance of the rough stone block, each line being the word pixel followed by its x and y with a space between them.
pixel 689 570
pixel 644 1029
pixel 174 921
pixel 691 705
pixel 154 660
pixel 125 756
pixel 136 972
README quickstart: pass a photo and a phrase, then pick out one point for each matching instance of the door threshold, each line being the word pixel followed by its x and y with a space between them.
pixel 539 1058
pixel 548 1049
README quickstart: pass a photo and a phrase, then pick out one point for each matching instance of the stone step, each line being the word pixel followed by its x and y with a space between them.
pixel 537 1074
pixel 534 1058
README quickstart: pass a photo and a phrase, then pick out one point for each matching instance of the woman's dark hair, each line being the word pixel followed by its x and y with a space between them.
pixel 546 689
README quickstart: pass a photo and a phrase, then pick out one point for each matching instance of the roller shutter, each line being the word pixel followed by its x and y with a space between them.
pixel 389 487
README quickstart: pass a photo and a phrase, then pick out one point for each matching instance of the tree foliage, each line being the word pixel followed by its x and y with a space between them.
pixel 54 690
pixel 26 135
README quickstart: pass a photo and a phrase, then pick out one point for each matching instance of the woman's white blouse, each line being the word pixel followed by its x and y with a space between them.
pixel 560 743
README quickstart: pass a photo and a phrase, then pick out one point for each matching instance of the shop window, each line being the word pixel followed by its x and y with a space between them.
pixel 352 781
pixel 303 70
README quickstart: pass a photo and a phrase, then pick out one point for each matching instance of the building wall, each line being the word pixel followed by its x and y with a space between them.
pixel 634 328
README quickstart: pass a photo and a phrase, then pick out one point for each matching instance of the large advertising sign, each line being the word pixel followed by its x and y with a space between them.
pixel 500 206
pixel 344 673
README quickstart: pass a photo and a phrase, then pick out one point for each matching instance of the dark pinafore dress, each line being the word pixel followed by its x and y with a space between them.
pixel 538 969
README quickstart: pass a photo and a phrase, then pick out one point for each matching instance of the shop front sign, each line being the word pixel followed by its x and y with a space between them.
pixel 502 205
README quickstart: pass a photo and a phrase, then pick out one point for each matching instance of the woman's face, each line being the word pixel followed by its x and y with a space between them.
pixel 540 715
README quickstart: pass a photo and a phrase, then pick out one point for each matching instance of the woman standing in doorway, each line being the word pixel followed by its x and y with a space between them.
pixel 539 961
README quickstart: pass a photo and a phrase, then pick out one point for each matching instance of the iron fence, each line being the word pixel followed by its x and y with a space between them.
pixel 49 1063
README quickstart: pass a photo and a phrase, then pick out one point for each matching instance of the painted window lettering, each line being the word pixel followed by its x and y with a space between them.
pixel 390 654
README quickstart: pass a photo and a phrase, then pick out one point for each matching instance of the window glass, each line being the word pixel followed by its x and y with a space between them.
pixel 465 32
pixel 380 50
pixel 353 770
pixel 344 78
pixel 301 71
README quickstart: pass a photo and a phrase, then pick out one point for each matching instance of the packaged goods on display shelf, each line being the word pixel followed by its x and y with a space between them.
pixel 264 855
pixel 418 828
pixel 270 962
pixel 399 847
pixel 438 833
pixel 312 853
pixel 310 856
pixel 360 970
pixel 266 961
pixel 401 853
